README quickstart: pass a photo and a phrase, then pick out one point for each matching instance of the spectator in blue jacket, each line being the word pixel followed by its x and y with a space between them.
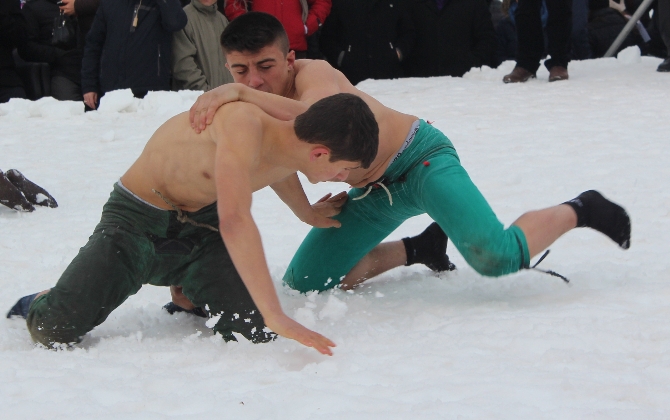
pixel 130 46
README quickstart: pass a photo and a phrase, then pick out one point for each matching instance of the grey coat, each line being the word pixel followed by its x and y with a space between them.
pixel 198 62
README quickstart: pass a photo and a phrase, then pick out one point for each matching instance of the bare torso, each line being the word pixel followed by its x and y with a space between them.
pixel 394 127
pixel 180 164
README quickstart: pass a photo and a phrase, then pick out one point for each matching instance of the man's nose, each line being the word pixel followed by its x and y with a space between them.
pixel 255 80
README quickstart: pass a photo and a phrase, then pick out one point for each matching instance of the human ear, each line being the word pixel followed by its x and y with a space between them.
pixel 290 58
pixel 317 152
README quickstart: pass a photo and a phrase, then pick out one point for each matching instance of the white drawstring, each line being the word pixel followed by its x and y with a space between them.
pixel 370 189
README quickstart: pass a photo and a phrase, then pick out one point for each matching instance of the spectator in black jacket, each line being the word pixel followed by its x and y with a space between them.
pixel 12 34
pixel 367 39
pixel 64 57
pixel 453 36
pixel 130 46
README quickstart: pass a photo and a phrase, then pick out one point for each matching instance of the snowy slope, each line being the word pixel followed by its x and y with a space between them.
pixel 410 344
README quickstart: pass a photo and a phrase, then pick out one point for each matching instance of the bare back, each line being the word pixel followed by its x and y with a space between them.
pixel 393 125
pixel 181 164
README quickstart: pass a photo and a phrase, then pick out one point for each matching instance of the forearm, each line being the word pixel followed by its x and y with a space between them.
pixel 244 245
pixel 277 106
pixel 291 192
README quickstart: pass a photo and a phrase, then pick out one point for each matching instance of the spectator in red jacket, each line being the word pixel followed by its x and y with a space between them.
pixel 300 18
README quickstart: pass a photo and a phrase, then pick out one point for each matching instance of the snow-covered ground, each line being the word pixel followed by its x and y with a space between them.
pixel 410 344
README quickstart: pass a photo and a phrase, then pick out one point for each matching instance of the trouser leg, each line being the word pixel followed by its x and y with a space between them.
pixel 211 279
pixel 559 29
pixel 664 22
pixel 530 39
pixel 456 204
pixel 107 270
pixel 65 89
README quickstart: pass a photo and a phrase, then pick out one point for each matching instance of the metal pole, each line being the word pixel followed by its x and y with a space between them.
pixel 629 27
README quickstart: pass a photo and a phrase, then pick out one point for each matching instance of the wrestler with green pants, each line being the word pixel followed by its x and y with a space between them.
pixel 134 244
pixel 426 177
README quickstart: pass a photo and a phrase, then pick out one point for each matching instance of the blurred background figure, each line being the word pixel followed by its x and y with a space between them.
pixel 452 36
pixel 664 27
pixel 368 39
pixel 605 24
pixel 83 10
pixel 198 60
pixel 530 39
pixel 12 35
pixel 130 46
pixel 53 37
pixel 300 18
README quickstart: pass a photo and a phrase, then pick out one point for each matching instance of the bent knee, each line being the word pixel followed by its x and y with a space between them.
pixel 53 337
pixel 304 281
pixel 494 261
pixel 52 332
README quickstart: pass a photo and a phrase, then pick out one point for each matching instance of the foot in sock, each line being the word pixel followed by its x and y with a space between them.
pixel 429 248
pixel 595 211
pixel 12 197
pixel 33 192
pixel 22 306
pixel 172 307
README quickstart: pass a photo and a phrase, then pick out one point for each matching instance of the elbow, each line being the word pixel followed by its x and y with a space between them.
pixel 230 223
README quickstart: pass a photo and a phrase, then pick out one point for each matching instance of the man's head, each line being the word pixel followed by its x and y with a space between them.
pixel 345 129
pixel 257 52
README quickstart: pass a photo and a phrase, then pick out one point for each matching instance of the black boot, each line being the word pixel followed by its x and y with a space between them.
pixel 33 192
pixel 595 211
pixel 172 307
pixel 664 67
pixel 429 248
pixel 12 197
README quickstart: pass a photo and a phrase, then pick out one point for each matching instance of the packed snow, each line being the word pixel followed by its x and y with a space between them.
pixel 410 344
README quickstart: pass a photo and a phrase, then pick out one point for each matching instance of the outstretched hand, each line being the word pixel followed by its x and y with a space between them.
pixel 328 206
pixel 202 112
pixel 286 327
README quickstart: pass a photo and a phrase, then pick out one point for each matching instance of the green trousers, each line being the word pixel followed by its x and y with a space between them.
pixel 136 244
pixel 426 178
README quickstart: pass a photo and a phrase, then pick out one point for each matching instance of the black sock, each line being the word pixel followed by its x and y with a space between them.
pixel 595 211
pixel 429 248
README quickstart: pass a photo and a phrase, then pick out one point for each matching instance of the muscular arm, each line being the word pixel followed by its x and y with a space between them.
pixel 237 150
pixel 315 81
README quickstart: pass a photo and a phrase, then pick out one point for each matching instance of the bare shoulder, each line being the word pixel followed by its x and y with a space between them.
pixel 235 117
pixel 316 79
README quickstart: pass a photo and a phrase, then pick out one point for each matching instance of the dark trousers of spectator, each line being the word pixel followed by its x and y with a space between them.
pixel 664 22
pixel 529 33
pixel 7 93
pixel 65 89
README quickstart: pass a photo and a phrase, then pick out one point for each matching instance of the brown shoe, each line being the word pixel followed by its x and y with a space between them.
pixel 518 75
pixel 557 73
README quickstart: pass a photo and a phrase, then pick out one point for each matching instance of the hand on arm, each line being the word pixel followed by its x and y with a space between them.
pixel 202 112
pixel 319 214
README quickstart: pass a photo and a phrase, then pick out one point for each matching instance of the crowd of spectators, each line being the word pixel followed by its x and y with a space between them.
pixel 89 47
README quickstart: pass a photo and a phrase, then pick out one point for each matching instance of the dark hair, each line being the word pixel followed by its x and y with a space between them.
pixel 252 32
pixel 343 123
